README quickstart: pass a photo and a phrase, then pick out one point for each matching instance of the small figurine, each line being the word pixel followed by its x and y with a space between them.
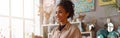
pixel 110 25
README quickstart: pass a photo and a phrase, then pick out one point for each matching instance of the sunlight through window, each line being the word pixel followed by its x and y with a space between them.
pixel 17 8
pixel 19 18
pixel 4 27
pixel 4 7
pixel 17 28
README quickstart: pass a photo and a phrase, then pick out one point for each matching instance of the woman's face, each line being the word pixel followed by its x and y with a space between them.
pixel 61 14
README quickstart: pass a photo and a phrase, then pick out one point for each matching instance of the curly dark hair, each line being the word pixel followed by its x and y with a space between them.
pixel 68 6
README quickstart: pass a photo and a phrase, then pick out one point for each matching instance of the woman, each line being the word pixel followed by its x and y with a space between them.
pixel 65 10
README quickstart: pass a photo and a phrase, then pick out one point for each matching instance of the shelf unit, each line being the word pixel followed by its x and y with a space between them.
pixel 58 24
pixel 48 27
pixel 87 34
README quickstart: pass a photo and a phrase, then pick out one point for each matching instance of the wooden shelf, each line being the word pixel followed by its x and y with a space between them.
pixel 81 33
pixel 49 24
pixel 58 24
pixel 85 32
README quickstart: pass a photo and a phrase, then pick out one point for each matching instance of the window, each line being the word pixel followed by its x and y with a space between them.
pixel 29 28
pixel 19 19
pixel 16 8
pixel 28 8
pixel 17 28
pixel 5 10
pixel 4 27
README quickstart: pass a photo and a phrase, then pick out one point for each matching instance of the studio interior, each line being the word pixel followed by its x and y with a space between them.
pixel 39 18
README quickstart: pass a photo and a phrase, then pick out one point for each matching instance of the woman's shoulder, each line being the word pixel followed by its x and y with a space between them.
pixel 75 27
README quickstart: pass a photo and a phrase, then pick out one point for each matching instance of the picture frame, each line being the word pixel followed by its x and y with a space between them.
pixel 106 2
pixel 83 6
